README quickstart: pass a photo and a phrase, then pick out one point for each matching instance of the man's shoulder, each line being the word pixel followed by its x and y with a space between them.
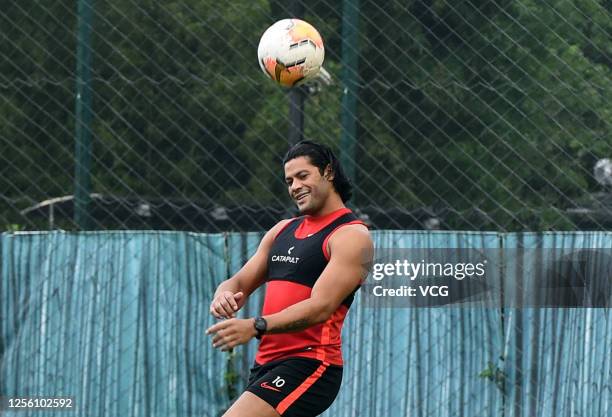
pixel 282 224
pixel 355 235
pixel 275 230
pixel 350 230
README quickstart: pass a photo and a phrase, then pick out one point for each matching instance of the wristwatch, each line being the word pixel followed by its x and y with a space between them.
pixel 261 325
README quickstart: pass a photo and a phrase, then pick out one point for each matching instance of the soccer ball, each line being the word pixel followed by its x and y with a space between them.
pixel 291 52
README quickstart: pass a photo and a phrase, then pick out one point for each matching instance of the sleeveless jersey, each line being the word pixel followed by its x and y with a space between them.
pixel 297 258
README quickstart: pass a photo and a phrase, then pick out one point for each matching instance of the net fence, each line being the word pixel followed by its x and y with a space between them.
pixel 474 115
pixel 467 115
pixel 115 320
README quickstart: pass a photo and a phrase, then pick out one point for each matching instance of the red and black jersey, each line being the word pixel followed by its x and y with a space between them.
pixel 297 258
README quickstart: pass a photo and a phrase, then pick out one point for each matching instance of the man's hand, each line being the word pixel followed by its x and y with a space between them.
pixel 226 304
pixel 232 332
pixel 231 294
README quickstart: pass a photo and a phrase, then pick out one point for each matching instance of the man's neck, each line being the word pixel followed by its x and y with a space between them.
pixel 332 204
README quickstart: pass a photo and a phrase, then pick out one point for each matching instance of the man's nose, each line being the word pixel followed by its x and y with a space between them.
pixel 295 185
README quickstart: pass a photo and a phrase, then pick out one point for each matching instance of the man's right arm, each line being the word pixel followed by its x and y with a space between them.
pixel 231 294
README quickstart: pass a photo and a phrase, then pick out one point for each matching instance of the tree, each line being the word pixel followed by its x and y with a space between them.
pixel 465 107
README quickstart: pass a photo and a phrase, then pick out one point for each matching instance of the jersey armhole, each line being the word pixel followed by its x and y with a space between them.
pixel 324 247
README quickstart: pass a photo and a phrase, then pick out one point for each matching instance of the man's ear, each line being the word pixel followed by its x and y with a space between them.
pixel 328 173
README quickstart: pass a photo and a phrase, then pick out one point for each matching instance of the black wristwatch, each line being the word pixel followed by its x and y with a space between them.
pixel 261 325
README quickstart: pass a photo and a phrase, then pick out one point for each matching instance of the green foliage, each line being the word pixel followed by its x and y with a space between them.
pixel 502 105
pixel 231 377
pixel 495 375
pixel 496 106
pixel 14 227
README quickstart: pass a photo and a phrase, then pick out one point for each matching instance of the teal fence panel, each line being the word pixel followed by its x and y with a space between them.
pixel 558 361
pixel 420 362
pixel 241 246
pixel 117 320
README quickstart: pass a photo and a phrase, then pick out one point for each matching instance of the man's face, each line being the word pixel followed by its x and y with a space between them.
pixel 306 186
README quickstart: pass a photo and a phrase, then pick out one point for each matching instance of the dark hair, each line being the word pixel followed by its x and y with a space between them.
pixel 321 156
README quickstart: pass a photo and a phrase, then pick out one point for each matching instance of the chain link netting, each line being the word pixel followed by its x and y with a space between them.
pixel 470 115
pixel 116 320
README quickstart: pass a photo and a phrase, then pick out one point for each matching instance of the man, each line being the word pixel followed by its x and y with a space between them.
pixel 312 264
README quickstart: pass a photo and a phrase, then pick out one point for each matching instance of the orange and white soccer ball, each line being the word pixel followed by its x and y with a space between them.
pixel 291 52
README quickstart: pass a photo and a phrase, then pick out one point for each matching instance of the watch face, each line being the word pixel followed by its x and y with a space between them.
pixel 260 324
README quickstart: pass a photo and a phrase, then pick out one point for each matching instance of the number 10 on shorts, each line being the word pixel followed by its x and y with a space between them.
pixel 278 382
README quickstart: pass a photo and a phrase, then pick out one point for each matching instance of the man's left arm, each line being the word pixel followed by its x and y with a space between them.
pixel 351 250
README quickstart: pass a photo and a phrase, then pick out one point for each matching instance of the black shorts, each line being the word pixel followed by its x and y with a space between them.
pixel 296 387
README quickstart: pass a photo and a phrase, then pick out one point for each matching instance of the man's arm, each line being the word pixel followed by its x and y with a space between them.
pixel 232 293
pixel 351 251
